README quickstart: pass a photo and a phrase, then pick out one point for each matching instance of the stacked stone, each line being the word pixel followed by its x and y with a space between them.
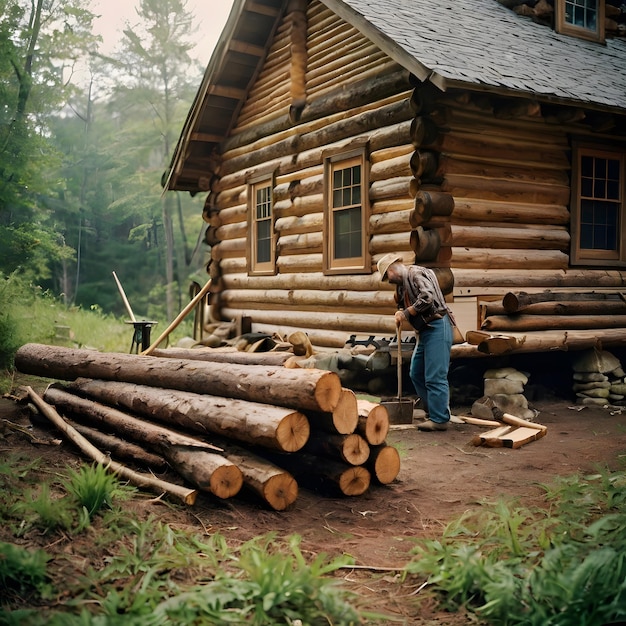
pixel 504 389
pixel 599 379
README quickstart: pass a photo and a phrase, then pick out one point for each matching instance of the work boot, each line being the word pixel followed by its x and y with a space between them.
pixel 430 426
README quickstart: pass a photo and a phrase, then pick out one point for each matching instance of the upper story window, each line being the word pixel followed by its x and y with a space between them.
pixel 581 18
pixel 261 242
pixel 598 207
pixel 346 215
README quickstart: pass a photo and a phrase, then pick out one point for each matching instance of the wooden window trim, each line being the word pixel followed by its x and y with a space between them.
pixel 603 258
pixel 354 265
pixel 267 268
pixel 566 28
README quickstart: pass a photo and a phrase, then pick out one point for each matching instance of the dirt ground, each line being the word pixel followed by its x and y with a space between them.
pixel 442 475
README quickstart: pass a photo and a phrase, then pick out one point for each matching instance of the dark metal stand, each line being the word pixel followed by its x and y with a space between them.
pixel 141 335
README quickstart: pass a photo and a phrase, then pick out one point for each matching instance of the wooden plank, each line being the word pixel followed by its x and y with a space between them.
pixel 521 436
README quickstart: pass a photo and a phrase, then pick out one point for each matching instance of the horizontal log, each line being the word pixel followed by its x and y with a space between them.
pixel 384 463
pixel 563 307
pixel 348 322
pixel 342 420
pixel 502 279
pixel 383 207
pixel 224 355
pixel 118 448
pixel 395 222
pixel 296 224
pixel 468 185
pixel 315 281
pixel 484 258
pixel 331 477
pixel 518 237
pixel 520 323
pixel 513 302
pixel 373 423
pixel 313 390
pixel 148 481
pixel 263 425
pixel 305 243
pixel 394 188
pixel 480 210
pixel 397 166
pixel 297 263
pixel 299 206
pixel 390 242
pixel 309 298
pixel 351 449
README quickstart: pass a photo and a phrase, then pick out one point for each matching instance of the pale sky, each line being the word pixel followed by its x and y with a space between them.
pixel 210 16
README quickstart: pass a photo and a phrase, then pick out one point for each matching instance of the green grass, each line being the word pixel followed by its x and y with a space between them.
pixel 563 565
pixel 30 315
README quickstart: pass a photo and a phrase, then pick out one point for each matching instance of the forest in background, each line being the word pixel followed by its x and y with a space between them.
pixel 84 140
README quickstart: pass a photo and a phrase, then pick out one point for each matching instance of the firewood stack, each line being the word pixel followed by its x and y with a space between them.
pixel 223 425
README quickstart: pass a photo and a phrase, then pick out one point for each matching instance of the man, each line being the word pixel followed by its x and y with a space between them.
pixel 421 303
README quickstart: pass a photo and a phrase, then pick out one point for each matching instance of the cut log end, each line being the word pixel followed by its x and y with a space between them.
pixel 346 414
pixel 354 481
pixel 293 432
pixel 328 391
pixel 280 491
pixel 226 481
pixel 384 463
pixel 355 449
pixel 375 426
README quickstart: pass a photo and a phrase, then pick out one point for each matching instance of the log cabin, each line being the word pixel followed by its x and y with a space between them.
pixel 485 139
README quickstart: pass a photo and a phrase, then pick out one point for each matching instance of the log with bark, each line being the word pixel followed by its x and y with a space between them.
pixel 226 355
pixel 195 460
pixel 314 390
pixel 327 477
pixel 264 425
pixel 351 449
pixel 517 301
pixel 343 419
pixel 187 495
pixel 384 463
pixel 373 422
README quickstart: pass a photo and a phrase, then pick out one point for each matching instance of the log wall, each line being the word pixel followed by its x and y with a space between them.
pixel 474 185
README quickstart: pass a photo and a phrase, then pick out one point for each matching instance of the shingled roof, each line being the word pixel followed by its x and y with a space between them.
pixel 476 44
pixel 485 44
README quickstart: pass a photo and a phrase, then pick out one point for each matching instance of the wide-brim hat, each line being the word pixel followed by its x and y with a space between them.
pixel 386 261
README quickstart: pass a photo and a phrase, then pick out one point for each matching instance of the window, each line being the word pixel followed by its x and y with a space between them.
pixel 598 207
pixel 581 18
pixel 346 218
pixel 261 228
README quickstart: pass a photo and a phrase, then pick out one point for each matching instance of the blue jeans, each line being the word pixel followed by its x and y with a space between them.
pixel 429 369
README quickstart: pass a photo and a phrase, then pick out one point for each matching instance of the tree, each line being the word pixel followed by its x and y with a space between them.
pixel 155 89
pixel 35 48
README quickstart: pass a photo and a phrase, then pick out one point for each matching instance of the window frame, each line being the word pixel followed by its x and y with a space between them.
pixel 565 28
pixel 351 265
pixel 256 268
pixel 584 256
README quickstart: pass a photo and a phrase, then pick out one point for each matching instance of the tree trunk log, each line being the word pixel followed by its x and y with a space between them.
pixel 351 449
pixel 575 306
pixel 314 390
pixel 373 422
pixel 384 463
pixel 342 420
pixel 188 496
pixel 189 457
pixel 273 484
pixel 264 425
pixel 121 449
pixel 330 477
pixel 552 322
pixel 514 302
pixel 224 355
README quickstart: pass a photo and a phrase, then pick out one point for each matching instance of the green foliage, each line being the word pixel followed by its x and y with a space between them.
pixel 93 487
pixel 271 588
pixel 562 567
pixel 23 570
pixel 51 513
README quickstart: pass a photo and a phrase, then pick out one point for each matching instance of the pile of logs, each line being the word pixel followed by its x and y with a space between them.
pixel 219 425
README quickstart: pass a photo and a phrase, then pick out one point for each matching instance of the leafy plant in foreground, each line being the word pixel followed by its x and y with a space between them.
pixel 22 570
pixel 515 566
pixel 93 487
